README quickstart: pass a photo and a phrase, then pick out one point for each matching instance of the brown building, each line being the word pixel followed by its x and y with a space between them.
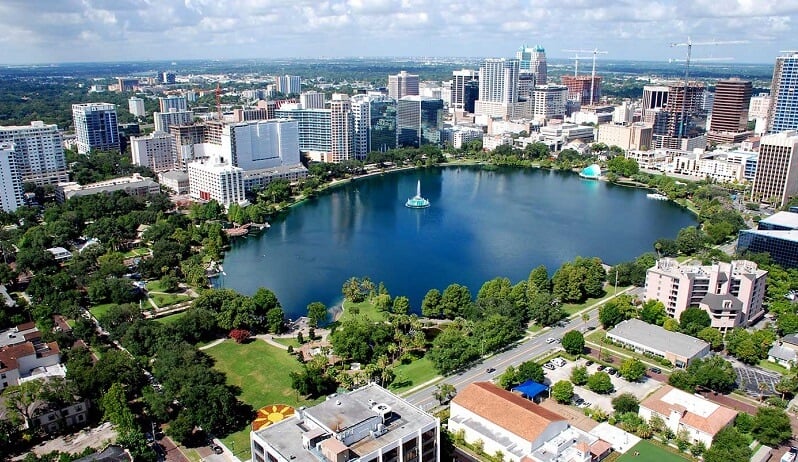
pixel 634 137
pixel 776 178
pixel 579 88
pixel 729 123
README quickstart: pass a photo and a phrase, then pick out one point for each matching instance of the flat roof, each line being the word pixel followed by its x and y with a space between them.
pixel 657 338
pixel 791 235
pixel 786 219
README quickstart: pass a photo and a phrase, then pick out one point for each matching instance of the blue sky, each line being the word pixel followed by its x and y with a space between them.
pixel 37 31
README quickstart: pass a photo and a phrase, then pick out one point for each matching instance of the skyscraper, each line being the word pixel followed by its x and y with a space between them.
pixel 419 121
pixel 402 84
pixel 375 124
pixel 164 119
pixel 459 80
pixel 533 60
pixel 776 176
pixel 38 151
pixel 783 112
pixel 136 106
pixel 498 88
pixel 312 100
pixel 579 88
pixel 729 122
pixel 662 108
pixel 10 179
pixel 96 127
pixel 342 128
pixel 155 151
pixel 289 84
pixel 173 103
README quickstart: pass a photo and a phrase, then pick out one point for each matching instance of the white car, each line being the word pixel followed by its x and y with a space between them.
pixel 551 340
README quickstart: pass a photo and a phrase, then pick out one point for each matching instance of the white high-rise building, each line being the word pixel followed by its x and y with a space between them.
pixel 549 102
pixel 10 179
pixel 155 151
pixel 96 127
pixel 361 117
pixel 342 128
pixel 173 103
pixel 223 183
pixel 312 100
pixel 136 106
pixel 289 84
pixel 776 178
pixel 498 89
pixel 174 117
pixel 261 144
pixel 39 152
pixel 459 80
pixel 402 84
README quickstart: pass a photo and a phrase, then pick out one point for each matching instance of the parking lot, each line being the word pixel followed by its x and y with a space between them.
pixel 639 389
pixel 750 378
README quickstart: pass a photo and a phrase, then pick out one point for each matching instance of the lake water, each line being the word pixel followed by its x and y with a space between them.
pixel 481 224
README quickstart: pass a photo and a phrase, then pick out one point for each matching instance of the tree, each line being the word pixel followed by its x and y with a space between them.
pixel 728 444
pixel 625 402
pixel 240 335
pixel 681 380
pixel 351 290
pixel 690 240
pixel 771 426
pixel 401 305
pixel 530 370
pixel 579 375
pixel 653 312
pixel 712 336
pixel 714 373
pixel 431 305
pixel 610 315
pixel 573 342
pixel 116 409
pixel 22 398
pixel 632 369
pixel 538 281
pixel 317 313
pixel 545 309
pixel 600 383
pixel 444 392
pixel 692 320
pixel 455 300
pixel 562 391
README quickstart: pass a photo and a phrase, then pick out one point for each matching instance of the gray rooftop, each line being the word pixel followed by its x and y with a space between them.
pixel 175 175
pixel 782 353
pixel 791 235
pixel 715 301
pixel 786 219
pixel 657 338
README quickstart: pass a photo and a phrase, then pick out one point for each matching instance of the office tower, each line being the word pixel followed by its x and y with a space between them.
pixel 783 113
pixel 470 96
pixel 125 84
pixel 312 100
pixel 289 84
pixel 759 107
pixel 580 87
pixel 526 85
pixel 167 78
pixel 459 80
pixel 260 144
pixel 164 119
pixel 96 127
pixel 250 113
pixel 136 106
pixel 654 97
pixel 402 84
pixel 729 122
pixel 498 88
pixel 623 114
pixel 375 124
pixel 10 179
pixel 533 60
pixel 39 152
pixel 223 183
pixel 776 178
pixel 342 128
pixel 173 103
pixel 155 151
pixel 419 121
pixel 314 130
pixel 549 102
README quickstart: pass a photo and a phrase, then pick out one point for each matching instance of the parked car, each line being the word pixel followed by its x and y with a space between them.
pixel 601 367
pixel 589 363
pixel 578 401
pixel 549 366
pixel 490 370
pixel 656 370
pixel 612 371
pixel 551 340
pixel 559 362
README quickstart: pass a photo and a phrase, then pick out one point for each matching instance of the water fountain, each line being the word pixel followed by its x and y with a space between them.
pixel 417 202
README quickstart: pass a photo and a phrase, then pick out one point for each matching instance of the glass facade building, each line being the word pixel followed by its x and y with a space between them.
pixel 783 113
pixel 781 245
pixel 419 121
pixel 382 126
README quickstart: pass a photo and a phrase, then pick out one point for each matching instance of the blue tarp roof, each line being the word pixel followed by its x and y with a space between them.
pixel 531 388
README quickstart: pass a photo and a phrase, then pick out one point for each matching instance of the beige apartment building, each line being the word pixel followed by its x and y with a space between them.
pixel 776 177
pixel 732 293
pixel 636 136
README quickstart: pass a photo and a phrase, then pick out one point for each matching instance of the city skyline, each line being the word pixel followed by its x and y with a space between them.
pixel 51 31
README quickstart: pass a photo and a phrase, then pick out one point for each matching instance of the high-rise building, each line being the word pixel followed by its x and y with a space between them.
pixel 39 152
pixel 783 113
pixel 776 178
pixel 729 122
pixel 402 84
pixel 419 121
pixel 223 183
pixel 126 84
pixel 636 136
pixel 549 102
pixel 261 144
pixel 470 96
pixel 173 103
pixel 136 106
pixel 168 78
pixel 174 117
pixel 375 124
pixel 662 107
pixel 289 84
pixel 459 80
pixel 498 89
pixel 654 97
pixel 533 60
pixel 580 88
pixel 759 107
pixel 155 151
pixel 10 179
pixel 315 130
pixel 96 127
pixel 526 85
pixel 186 140
pixel 342 128
pixel 312 100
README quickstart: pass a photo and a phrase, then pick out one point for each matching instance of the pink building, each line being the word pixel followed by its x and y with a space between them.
pixel 732 293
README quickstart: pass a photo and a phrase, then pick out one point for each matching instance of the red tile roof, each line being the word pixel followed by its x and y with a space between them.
pixel 507 410
pixel 712 424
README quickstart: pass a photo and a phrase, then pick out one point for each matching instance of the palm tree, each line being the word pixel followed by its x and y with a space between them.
pixel 585 317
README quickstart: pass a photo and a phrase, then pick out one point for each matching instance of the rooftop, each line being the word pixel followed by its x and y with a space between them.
pixel 784 235
pixel 695 411
pixel 657 338
pixel 785 219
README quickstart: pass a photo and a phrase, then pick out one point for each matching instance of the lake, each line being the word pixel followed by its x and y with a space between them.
pixel 482 224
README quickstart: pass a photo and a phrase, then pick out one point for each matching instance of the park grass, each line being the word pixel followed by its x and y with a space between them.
pixel 650 452
pixel 261 371
pixel 137 252
pixel 163 300
pixel 572 308
pixel 365 308
pixel 765 364
pixel 287 341
pixel 171 319
pixel 99 310
pixel 412 375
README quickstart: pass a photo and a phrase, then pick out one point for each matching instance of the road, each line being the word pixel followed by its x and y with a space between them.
pixel 530 347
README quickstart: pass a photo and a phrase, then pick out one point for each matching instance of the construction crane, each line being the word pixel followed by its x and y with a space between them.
pixel 688 58
pixel 576 59
pixel 595 52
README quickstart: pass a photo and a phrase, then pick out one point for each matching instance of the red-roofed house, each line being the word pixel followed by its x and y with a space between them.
pixel 518 428
pixel 24 355
pixel 680 410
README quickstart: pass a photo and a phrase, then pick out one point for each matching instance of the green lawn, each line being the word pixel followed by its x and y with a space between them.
pixel 765 364
pixel 171 319
pixel 137 252
pixel 98 310
pixel 163 300
pixel 412 375
pixel 366 309
pixel 261 372
pixel 572 308
pixel 650 452
pixel 286 341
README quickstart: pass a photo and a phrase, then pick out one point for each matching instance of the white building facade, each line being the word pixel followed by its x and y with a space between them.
pixel 155 151
pixel 223 183
pixel 39 152
pixel 10 179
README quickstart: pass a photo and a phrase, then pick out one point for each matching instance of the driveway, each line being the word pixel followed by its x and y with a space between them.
pixel 749 379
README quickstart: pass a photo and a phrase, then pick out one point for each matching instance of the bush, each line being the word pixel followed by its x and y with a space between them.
pixel 579 375
pixel 625 402
pixel 600 383
pixel 562 391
